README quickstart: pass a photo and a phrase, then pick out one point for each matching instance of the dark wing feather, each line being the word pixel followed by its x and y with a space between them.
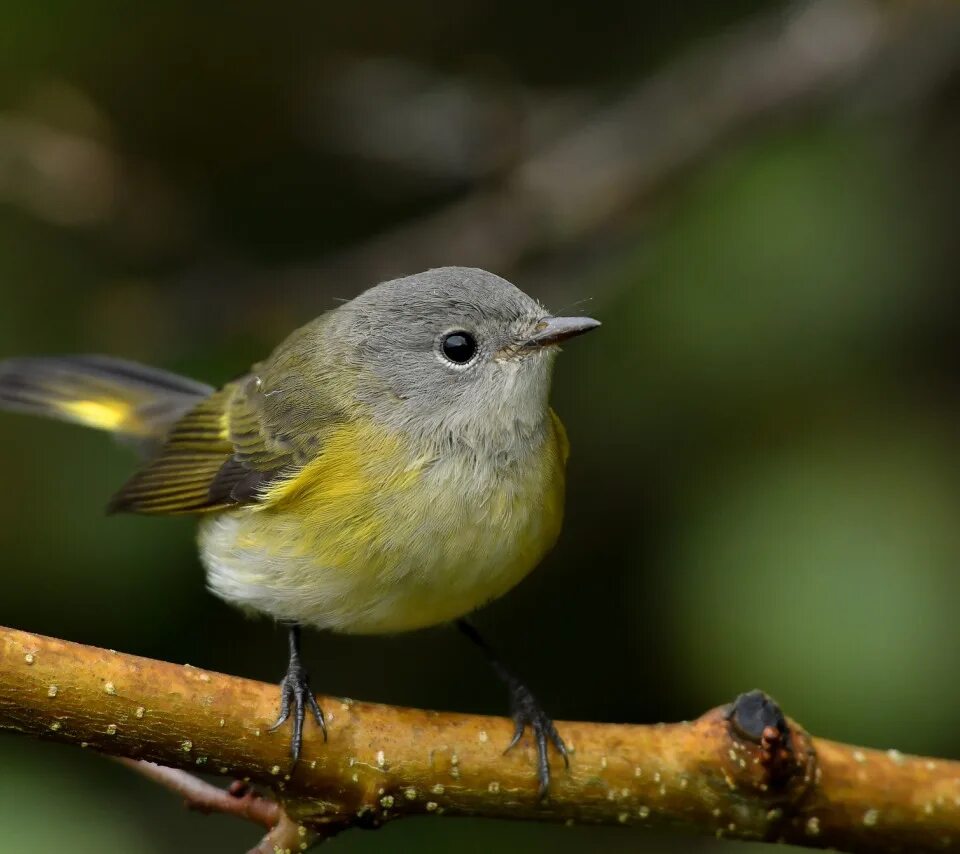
pixel 222 453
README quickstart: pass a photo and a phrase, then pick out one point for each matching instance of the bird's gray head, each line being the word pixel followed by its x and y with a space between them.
pixel 455 351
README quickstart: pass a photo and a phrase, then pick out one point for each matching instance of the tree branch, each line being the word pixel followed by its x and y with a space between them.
pixel 742 771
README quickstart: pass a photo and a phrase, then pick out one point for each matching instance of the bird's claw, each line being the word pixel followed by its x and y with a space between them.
pixel 295 697
pixel 527 712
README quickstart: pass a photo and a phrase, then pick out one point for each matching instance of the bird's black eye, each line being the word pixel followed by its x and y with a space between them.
pixel 459 347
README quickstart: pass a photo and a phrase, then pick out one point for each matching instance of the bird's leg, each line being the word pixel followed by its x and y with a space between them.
pixel 525 711
pixel 296 696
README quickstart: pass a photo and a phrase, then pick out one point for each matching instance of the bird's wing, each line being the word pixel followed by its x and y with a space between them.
pixel 221 454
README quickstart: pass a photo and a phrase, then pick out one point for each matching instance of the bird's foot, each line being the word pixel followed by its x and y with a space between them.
pixel 295 698
pixel 527 712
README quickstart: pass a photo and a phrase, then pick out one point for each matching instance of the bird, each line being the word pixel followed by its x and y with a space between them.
pixel 394 464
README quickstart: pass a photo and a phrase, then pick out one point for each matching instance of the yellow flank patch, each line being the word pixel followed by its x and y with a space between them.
pixel 355 462
pixel 102 414
pixel 340 499
pixel 560 432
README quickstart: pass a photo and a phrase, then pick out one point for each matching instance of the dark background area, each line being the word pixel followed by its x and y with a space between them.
pixel 760 202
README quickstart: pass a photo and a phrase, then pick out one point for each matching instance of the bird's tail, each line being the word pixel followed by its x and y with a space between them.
pixel 109 394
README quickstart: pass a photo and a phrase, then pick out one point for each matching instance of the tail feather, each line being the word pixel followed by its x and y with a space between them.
pixel 99 391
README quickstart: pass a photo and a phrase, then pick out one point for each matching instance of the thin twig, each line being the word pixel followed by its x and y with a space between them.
pixel 239 800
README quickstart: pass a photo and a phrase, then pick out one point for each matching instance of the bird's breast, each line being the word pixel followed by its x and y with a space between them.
pixel 382 534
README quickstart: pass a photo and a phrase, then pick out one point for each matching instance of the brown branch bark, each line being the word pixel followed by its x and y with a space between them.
pixel 741 771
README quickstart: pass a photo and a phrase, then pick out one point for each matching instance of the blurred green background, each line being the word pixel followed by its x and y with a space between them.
pixel 759 200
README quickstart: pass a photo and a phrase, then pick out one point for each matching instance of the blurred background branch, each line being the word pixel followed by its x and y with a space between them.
pixel 742 771
pixel 583 179
pixel 545 175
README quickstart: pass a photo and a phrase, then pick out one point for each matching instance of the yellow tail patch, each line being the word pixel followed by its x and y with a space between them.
pixel 111 415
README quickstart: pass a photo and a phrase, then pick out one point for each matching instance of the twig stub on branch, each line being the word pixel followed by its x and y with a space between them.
pixel 742 771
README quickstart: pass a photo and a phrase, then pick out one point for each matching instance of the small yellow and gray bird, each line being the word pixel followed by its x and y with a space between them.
pixel 394 464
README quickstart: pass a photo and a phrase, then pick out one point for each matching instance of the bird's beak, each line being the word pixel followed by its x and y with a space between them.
pixel 553 330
